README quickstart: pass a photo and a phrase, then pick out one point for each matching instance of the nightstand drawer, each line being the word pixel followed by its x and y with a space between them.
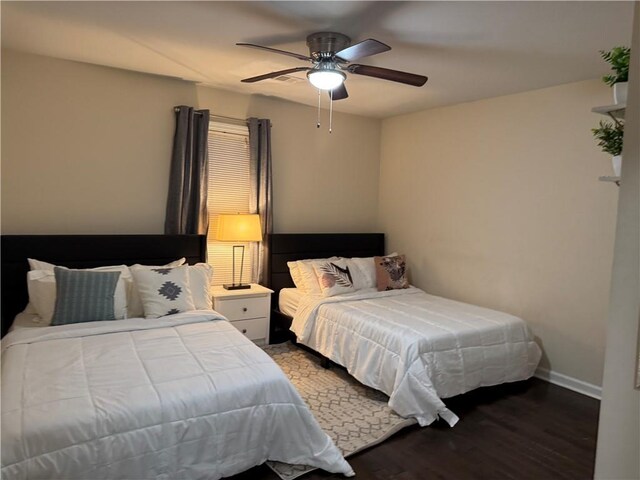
pixel 255 329
pixel 249 310
pixel 243 308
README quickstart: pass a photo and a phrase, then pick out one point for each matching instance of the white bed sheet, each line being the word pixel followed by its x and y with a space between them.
pixel 289 299
pixel 184 396
pixel 417 348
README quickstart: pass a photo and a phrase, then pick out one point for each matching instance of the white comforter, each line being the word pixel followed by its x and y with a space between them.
pixel 417 348
pixel 178 397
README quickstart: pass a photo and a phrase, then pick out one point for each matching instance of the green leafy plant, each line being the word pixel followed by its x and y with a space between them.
pixel 609 136
pixel 618 58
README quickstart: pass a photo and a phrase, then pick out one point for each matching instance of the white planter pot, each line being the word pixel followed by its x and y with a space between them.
pixel 620 92
pixel 617 165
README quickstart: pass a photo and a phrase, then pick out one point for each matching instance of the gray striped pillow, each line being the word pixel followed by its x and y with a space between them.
pixel 84 296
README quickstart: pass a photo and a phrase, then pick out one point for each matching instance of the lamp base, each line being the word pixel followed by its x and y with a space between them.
pixel 236 286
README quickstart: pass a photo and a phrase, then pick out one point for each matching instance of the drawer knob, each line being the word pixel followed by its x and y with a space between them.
pixel 244 309
pixel 244 330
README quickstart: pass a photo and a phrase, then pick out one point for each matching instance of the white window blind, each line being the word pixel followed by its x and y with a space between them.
pixel 229 192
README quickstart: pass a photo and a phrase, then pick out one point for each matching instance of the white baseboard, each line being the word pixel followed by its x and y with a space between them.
pixel 571 383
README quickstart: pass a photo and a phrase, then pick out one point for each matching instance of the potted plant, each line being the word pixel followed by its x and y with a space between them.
pixel 618 58
pixel 609 136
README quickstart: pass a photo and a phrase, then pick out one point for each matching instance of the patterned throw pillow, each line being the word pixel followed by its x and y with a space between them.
pixel 84 296
pixel 334 277
pixel 163 290
pixel 391 273
pixel 134 307
pixel 308 275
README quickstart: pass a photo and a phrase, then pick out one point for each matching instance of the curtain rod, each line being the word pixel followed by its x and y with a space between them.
pixel 243 121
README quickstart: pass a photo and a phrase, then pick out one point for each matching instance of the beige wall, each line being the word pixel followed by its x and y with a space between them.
pixel 86 149
pixel 497 203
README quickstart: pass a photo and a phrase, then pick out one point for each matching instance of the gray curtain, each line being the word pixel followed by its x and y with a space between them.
pixel 261 199
pixel 187 198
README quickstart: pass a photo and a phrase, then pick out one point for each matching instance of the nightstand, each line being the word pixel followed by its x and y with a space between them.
pixel 248 310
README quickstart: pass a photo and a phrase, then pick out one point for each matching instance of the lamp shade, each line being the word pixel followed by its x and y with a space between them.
pixel 239 228
pixel 326 79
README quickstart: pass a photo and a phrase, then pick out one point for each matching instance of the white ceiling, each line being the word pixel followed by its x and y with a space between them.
pixel 469 50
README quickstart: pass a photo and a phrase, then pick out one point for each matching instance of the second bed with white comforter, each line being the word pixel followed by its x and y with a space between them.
pixel 184 396
pixel 417 348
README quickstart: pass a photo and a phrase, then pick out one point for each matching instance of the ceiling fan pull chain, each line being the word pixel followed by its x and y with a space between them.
pixel 330 109
pixel 318 122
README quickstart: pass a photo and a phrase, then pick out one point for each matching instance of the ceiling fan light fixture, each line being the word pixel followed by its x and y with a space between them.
pixel 326 79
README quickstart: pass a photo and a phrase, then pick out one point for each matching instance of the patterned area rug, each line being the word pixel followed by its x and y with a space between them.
pixel 354 416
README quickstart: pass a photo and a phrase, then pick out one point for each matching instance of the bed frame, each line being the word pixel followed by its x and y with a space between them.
pixel 287 247
pixel 85 251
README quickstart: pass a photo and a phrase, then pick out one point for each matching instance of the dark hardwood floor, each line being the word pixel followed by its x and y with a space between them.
pixel 527 430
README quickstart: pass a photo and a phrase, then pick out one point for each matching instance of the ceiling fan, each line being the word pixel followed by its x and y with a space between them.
pixel 331 55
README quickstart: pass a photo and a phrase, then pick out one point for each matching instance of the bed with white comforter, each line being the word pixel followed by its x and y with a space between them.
pixel 417 348
pixel 184 396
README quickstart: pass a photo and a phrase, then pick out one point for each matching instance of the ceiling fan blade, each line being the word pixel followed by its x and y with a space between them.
pixel 339 93
pixel 388 74
pixel 274 74
pixel 275 50
pixel 366 48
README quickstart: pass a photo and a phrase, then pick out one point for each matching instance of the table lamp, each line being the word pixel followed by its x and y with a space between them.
pixel 238 228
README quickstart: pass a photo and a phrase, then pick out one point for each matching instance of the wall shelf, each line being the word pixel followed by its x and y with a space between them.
pixel 615 180
pixel 615 111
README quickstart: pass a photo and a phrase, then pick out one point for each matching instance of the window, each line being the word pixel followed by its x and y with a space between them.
pixel 229 192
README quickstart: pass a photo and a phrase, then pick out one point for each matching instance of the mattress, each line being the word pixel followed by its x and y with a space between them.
pixel 183 396
pixel 289 299
pixel 415 347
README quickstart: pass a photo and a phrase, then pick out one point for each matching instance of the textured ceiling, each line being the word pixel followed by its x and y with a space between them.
pixel 469 50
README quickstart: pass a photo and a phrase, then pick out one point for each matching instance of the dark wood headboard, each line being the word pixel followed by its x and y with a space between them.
pixel 85 251
pixel 286 247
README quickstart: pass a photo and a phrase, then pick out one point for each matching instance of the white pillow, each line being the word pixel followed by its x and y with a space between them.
pixel 163 290
pixel 363 271
pixel 334 277
pixel 134 304
pixel 308 274
pixel 200 277
pixel 298 281
pixel 40 265
pixel 42 292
